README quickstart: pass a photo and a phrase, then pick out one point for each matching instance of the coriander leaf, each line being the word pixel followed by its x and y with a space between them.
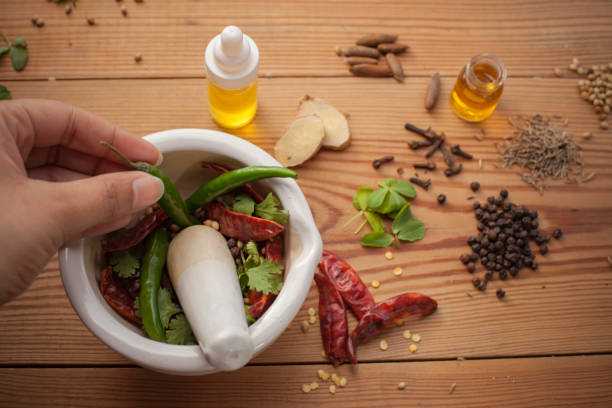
pixel 393 202
pixel 166 307
pixel 251 249
pixel 270 210
pixel 179 331
pixel 401 218
pixel 137 307
pixel 360 199
pixel 375 221
pixel 19 58
pixel 377 239
pixel 19 42
pixel 412 230
pixel 4 50
pixel 124 263
pixel 265 277
pixel 377 198
pixel 4 93
pixel 404 189
pixel 244 204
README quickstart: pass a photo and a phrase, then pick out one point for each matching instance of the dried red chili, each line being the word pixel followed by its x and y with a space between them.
pixel 241 226
pixel 117 296
pixel 333 323
pixel 344 278
pixel 385 313
pixel 218 169
pixel 136 234
pixel 260 302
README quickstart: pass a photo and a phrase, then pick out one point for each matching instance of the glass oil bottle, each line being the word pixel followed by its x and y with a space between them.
pixel 478 88
pixel 232 64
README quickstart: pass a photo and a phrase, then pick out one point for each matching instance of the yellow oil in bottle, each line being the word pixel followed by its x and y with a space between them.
pixel 478 88
pixel 232 108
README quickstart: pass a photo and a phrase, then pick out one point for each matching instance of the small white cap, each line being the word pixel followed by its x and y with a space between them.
pixel 232 59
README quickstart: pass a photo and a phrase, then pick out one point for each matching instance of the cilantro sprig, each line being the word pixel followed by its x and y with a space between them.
pixel 259 274
pixel 124 263
pixel 17 50
pixel 390 200
pixel 268 209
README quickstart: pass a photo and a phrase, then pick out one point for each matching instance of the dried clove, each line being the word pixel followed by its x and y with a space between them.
pixel 427 134
pixel 451 171
pixel 379 162
pixel 448 158
pixel 426 166
pixel 456 150
pixel 415 144
pixel 421 183
pixel 436 145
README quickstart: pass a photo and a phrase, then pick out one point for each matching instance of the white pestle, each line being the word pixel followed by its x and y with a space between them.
pixel 204 276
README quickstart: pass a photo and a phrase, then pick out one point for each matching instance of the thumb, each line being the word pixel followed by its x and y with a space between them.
pixel 85 206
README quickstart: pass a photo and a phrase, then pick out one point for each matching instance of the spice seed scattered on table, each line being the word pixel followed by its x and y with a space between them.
pixel 401 385
pixel 413 348
pixel 389 255
pixel 441 199
pixel 383 345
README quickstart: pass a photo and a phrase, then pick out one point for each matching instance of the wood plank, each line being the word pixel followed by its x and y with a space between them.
pixel 565 307
pixel 297 38
pixel 534 382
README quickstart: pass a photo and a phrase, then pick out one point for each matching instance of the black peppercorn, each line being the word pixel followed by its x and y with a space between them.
pixel 473 257
pixel 500 293
pixel 539 240
pixel 483 286
pixel 557 233
pixel 480 226
pixel 492 235
pixel 514 271
pixel 534 265
pixel 441 199
pixel 489 275
pixel 491 200
pixel 471 241
pixel 499 201
pixel 471 267
pixel 465 258
pixel 475 186
pixel 478 213
pixel 476 282
pixel 503 275
pixel 476 205
pixel 543 249
pixel 503 193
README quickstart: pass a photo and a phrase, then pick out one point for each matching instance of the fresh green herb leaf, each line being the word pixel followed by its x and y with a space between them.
pixel 4 93
pixel 393 202
pixel 360 199
pixel 403 188
pixel 244 204
pixel 19 58
pixel 124 263
pixel 265 277
pixel 377 198
pixel 251 249
pixel 19 42
pixel 406 227
pixel 377 239
pixel 4 50
pixel 375 221
pixel 270 210
pixel 179 331
pixel 166 307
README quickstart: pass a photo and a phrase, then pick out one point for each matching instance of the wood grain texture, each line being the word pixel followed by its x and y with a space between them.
pixel 535 382
pixel 565 307
pixel 297 38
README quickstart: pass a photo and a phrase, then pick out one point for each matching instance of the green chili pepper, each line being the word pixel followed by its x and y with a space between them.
pixel 150 281
pixel 233 179
pixel 171 200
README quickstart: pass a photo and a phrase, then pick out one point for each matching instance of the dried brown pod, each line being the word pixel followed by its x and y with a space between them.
pixel 371 70
pixel 372 40
pixel 360 60
pixel 433 91
pixel 396 67
pixel 357 51
pixel 395 48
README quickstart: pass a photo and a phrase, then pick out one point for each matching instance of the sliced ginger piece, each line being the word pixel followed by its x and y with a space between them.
pixel 300 142
pixel 337 133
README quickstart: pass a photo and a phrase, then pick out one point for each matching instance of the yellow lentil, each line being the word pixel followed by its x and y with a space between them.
pixel 397 271
pixel 416 337
pixel 406 334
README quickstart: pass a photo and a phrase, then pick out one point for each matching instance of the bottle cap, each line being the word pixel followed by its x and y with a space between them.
pixel 232 59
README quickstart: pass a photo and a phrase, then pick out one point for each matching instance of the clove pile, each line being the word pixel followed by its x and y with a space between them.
pixel 374 55
pixel 502 243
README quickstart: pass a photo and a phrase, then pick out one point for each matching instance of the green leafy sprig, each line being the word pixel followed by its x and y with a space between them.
pixel 268 209
pixel 259 274
pixel 390 201
pixel 4 93
pixel 17 50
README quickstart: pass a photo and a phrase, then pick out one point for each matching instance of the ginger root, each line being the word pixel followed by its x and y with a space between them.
pixel 301 141
pixel 337 133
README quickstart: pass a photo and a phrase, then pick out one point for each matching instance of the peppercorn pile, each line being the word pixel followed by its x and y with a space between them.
pixel 502 244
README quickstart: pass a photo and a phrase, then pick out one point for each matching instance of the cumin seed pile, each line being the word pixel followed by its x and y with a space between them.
pixel 542 148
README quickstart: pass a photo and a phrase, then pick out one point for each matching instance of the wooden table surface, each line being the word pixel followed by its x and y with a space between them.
pixel 548 344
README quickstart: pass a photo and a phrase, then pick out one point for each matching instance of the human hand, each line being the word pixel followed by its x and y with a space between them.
pixel 57 184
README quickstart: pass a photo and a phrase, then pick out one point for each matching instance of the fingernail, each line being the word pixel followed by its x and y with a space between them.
pixel 160 159
pixel 147 190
